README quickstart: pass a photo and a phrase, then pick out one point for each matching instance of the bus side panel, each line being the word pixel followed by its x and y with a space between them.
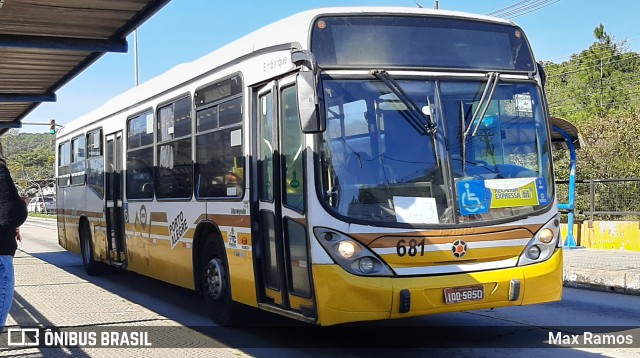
pixel 75 198
pixel 235 228
pixel 154 243
pixel 60 218
pixel 92 207
pixel 159 240
pixel 173 265
pixel 99 236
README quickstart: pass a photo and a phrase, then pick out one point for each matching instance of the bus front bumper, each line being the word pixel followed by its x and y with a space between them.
pixel 343 297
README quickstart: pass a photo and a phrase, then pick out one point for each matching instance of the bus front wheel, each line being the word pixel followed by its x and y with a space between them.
pixel 216 286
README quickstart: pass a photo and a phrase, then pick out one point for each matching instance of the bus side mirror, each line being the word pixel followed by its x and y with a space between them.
pixel 543 73
pixel 311 121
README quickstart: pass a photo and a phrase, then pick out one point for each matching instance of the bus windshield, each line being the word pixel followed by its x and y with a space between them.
pixel 378 167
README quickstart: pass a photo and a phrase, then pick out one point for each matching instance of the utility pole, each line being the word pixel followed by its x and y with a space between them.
pixel 135 55
pixel 601 90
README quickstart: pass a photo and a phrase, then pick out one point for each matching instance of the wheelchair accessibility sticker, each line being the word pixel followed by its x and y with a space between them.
pixel 478 196
pixel 472 197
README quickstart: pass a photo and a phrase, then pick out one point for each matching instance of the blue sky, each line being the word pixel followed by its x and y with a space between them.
pixel 185 30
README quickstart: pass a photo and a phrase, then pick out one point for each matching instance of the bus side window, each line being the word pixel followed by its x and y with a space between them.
pixel 139 174
pixel 174 167
pixel 219 151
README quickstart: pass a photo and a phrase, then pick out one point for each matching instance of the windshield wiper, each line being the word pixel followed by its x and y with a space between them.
pixel 418 119
pixel 483 105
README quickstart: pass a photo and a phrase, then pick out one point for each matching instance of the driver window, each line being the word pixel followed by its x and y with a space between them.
pixel 293 150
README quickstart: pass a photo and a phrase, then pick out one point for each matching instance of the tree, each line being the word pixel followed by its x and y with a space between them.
pixel 596 82
pixel 596 91
pixel 30 159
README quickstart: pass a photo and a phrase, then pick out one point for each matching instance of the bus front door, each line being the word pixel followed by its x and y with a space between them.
pixel 283 260
pixel 113 198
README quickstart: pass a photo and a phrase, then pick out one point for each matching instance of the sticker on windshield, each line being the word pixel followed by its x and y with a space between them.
pixel 416 210
pixel 510 193
pixel 541 186
pixel 472 198
pixel 523 103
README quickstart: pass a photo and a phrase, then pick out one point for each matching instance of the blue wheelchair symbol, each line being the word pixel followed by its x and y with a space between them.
pixel 472 198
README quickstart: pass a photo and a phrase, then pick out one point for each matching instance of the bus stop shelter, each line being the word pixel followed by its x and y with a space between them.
pixel 44 44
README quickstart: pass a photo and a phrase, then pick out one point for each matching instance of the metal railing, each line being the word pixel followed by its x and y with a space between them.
pixel 605 199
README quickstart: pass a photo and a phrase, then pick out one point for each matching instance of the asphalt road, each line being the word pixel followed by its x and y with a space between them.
pixel 512 332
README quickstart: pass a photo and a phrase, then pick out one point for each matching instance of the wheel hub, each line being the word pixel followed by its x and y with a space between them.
pixel 215 278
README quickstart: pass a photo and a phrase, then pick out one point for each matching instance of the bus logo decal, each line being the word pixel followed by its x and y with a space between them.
pixel 459 248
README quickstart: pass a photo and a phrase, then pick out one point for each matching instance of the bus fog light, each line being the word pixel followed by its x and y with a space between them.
pixel 366 265
pixel 545 236
pixel 533 252
pixel 346 249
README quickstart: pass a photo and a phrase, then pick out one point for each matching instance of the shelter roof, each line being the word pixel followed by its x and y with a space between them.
pixel 46 43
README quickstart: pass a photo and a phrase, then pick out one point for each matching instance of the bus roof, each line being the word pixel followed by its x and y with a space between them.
pixel 277 33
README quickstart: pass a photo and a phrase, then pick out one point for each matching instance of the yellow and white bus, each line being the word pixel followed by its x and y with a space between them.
pixel 342 164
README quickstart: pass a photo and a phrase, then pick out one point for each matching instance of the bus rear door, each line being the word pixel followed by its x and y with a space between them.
pixel 113 198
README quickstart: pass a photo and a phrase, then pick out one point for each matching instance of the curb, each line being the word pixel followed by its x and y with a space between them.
pixel 620 281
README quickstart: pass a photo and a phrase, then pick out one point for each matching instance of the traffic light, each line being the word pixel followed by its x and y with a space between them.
pixel 52 127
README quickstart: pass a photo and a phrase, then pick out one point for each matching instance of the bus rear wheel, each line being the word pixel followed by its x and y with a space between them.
pixel 91 266
pixel 216 285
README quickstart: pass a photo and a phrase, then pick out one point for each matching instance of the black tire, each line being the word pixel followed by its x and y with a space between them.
pixel 91 266
pixel 215 283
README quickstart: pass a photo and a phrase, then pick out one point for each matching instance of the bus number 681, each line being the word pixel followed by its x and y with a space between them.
pixel 411 249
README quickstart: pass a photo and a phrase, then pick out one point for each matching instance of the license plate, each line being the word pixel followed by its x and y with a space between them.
pixel 463 294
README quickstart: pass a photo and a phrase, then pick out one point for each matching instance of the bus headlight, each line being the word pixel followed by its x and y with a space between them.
pixel 546 235
pixel 347 249
pixel 352 256
pixel 542 245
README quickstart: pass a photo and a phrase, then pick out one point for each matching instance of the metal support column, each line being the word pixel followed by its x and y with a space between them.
pixel 570 206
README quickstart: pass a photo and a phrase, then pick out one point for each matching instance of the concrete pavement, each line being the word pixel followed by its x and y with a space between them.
pixel 59 311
